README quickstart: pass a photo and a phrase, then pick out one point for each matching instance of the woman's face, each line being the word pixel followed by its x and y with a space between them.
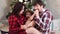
pixel 21 12
pixel 28 14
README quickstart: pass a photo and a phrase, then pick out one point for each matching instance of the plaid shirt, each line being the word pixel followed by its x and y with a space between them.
pixel 15 23
pixel 44 21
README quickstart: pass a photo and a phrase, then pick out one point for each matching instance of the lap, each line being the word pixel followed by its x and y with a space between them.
pixel 33 30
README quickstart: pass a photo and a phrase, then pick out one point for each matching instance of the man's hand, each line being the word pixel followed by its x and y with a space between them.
pixel 36 13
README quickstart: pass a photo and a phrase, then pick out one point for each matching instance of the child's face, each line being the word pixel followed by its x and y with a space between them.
pixel 28 14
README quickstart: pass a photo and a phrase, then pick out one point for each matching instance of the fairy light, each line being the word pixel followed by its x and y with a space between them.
pixel 20 0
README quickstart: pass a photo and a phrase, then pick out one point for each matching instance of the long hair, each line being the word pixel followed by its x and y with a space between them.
pixel 17 8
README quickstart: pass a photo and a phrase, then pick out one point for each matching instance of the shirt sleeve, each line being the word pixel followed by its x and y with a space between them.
pixel 13 23
pixel 45 21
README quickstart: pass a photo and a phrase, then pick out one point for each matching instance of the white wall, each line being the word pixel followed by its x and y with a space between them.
pixel 4 7
pixel 54 6
pixel 56 27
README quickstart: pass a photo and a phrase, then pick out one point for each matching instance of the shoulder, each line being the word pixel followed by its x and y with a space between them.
pixel 47 12
pixel 12 17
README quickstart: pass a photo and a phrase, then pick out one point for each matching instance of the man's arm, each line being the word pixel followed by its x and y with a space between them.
pixel 46 21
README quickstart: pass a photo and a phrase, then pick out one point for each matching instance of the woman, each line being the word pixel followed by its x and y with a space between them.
pixel 30 23
pixel 17 19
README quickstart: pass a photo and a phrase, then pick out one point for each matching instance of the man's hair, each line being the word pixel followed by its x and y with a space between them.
pixel 40 2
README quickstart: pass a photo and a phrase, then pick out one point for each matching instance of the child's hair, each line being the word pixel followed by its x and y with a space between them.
pixel 31 12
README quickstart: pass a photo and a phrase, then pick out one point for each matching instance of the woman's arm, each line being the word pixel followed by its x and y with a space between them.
pixel 31 24
pixel 29 20
pixel 31 17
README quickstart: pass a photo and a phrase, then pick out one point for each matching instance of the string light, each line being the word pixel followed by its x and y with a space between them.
pixel 20 0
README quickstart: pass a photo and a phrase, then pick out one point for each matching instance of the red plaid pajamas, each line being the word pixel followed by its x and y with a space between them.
pixel 15 23
pixel 44 21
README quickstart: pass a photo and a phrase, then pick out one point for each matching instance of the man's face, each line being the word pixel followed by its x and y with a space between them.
pixel 38 7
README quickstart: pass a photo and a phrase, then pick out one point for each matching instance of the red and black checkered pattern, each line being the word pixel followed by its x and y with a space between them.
pixel 15 23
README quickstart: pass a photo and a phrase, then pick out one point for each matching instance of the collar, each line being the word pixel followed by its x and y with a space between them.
pixel 43 10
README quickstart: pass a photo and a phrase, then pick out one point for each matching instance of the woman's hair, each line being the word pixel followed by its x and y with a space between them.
pixel 31 12
pixel 17 8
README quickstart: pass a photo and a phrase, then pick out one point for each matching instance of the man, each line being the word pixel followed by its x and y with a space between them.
pixel 43 16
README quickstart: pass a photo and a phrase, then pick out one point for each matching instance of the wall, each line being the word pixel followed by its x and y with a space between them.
pixel 54 6
pixel 4 8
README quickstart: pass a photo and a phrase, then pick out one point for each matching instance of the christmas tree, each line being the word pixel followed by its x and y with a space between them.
pixel 28 4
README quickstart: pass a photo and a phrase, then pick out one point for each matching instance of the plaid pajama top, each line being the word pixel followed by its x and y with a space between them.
pixel 44 21
pixel 15 23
